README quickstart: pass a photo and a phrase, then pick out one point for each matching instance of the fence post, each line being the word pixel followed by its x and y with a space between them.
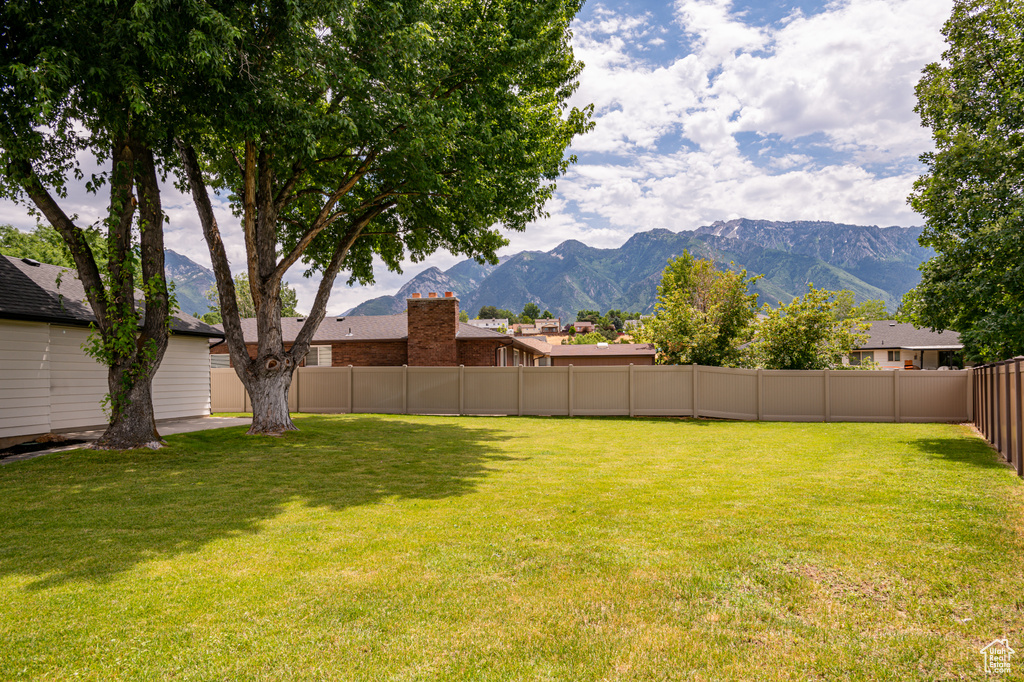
pixel 993 407
pixel 298 380
pixel 1020 422
pixel 631 389
pixel 970 394
pixel 405 389
pixel 351 389
pixel 760 394
pixel 1009 417
pixel 572 411
pixel 696 389
pixel 519 402
pixel 462 390
pixel 828 398
pixel 896 395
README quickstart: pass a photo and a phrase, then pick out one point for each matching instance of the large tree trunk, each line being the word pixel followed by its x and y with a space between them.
pixel 132 424
pixel 268 392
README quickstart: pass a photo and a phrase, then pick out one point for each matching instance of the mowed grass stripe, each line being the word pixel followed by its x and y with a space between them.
pixel 403 547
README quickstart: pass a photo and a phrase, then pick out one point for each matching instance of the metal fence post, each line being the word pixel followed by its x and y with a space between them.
pixel 1020 422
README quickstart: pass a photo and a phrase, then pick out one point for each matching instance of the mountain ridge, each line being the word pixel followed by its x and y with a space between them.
pixel 871 261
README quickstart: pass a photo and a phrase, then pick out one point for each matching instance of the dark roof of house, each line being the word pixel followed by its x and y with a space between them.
pixel 892 334
pixel 49 293
pixel 612 349
pixel 361 328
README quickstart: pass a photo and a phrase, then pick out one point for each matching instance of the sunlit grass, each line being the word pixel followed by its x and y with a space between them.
pixel 380 547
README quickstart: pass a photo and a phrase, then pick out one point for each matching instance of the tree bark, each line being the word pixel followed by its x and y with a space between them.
pixel 268 392
pixel 134 425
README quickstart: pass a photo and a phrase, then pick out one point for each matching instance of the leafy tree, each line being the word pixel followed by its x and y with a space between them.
pixel 289 301
pixel 531 311
pixel 847 307
pixel 376 129
pixel 588 338
pixel 44 244
pixel 463 316
pixel 970 195
pixel 703 314
pixel 104 78
pixel 589 316
pixel 806 334
pixel 547 315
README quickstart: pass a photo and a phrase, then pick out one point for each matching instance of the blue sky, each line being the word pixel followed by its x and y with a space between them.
pixel 708 110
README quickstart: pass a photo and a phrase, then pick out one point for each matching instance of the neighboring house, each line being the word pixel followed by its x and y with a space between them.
pixel 898 345
pixel 583 327
pixel 582 355
pixel 525 330
pixel 548 325
pixel 495 323
pixel 428 334
pixel 48 383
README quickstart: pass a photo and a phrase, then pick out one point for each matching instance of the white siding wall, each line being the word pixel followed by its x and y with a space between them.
pixel 48 383
pixel 77 382
pixel 24 378
pixel 181 387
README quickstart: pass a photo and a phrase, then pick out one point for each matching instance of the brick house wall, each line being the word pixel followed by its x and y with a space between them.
pixel 432 324
pixel 479 352
pixel 345 353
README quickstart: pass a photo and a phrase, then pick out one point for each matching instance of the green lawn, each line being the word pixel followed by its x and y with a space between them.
pixel 406 548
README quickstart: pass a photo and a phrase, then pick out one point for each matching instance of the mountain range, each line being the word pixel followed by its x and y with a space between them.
pixel 191 281
pixel 870 261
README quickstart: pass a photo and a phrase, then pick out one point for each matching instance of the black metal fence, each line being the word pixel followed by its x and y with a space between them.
pixel 999 409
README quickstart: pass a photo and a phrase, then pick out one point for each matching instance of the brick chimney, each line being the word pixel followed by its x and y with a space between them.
pixel 432 324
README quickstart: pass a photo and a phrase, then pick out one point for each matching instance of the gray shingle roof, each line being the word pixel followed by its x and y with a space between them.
pixel 361 328
pixel 49 293
pixel 892 334
pixel 612 349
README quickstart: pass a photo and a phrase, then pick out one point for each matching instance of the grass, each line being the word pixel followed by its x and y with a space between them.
pixel 406 548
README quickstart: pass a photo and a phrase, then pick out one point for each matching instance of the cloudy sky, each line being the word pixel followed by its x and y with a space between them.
pixel 707 110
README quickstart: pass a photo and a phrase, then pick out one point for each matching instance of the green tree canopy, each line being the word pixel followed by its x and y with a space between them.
pixel 848 308
pixel 531 311
pixel 703 314
pixel 246 308
pixel 356 133
pixel 44 244
pixel 971 195
pixel 806 334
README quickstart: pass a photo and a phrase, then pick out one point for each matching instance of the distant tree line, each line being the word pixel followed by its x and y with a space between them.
pixel 708 316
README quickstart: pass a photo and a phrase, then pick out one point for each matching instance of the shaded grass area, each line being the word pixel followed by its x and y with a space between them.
pixel 403 547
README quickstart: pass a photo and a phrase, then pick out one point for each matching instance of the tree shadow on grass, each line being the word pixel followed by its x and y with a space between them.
pixel 964 449
pixel 90 515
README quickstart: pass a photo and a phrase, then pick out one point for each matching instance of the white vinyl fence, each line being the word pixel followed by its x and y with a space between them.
pixel 681 391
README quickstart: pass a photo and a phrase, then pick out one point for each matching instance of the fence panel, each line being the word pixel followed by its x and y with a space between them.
pixel 663 391
pixel 433 390
pixel 793 395
pixel 546 390
pixel 378 389
pixel 601 390
pixel 933 396
pixel 490 390
pixel 226 391
pixel 324 390
pixel 861 396
pixel 727 393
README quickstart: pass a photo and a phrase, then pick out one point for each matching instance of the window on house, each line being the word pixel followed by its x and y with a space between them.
pixel 515 357
pixel 894 356
pixel 318 356
pixel 220 360
pixel 858 357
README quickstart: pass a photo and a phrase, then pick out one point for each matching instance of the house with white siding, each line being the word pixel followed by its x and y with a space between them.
pixel 47 382
pixel 898 345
